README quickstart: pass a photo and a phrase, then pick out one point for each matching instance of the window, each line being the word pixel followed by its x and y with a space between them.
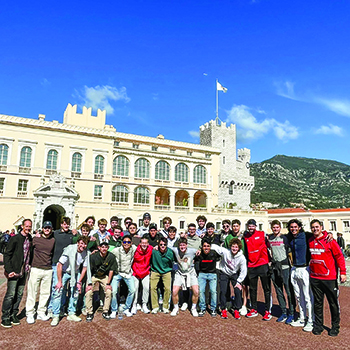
pixel 284 224
pixel 162 170
pixel 140 223
pixel 2 185
pixel 218 225
pixel 26 155
pixel 189 153
pixel 141 195
pixel 154 148
pixel 207 155
pixel 346 224
pixel 98 191
pixel 120 194
pixel 120 166
pixel 22 188
pixel 76 162
pixel 116 143
pixel 3 154
pixel 51 163
pixel 200 175
pixel 181 172
pixel 230 189
pixel 99 164
pixel 223 160
pixel 260 227
pixel 172 150
pixel 142 168
pixel 135 146
pixel 333 225
pixel 182 224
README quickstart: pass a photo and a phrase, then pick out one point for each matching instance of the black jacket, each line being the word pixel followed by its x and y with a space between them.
pixel 14 255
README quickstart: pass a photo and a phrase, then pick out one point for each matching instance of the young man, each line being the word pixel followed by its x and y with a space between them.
pixel 210 234
pixel 233 268
pixel 207 274
pixel 124 257
pixel 172 236
pixel 300 275
pixel 280 250
pixel 114 221
pixel 153 236
pixel 71 268
pixel 102 265
pixel 117 238
pixel 145 227
pixel 193 240
pixel 326 260
pixel 161 268
pixel 256 251
pixel 185 276
pixel 132 232
pixel 16 263
pixel 127 222
pixel 234 232
pixel 141 270
pixel 40 274
pixel 85 231
pixel 201 221
pixel 166 224
pixel 102 235
pixel 226 231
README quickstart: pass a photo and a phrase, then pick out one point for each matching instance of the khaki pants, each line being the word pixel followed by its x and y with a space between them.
pixel 108 294
pixel 155 277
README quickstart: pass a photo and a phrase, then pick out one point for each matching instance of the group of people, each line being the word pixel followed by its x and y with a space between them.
pixel 158 270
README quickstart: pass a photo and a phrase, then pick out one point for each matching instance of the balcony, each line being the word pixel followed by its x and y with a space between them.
pixel 120 178
pixel 75 175
pixel 24 170
pixel 120 204
pixel 142 180
pixel 182 208
pixel 51 171
pixel 200 209
pixel 162 207
pixel 98 176
pixel 3 167
pixel 141 205
pixel 22 194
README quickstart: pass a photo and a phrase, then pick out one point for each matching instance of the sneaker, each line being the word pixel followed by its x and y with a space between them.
pixel 138 307
pixel 194 312
pixel 43 317
pixel 127 313
pixel 84 312
pixel 308 327
pixel 282 318
pixel 317 331
pixel 174 312
pixel 49 313
pixel 251 313
pixel 224 314
pixel 30 319
pixel 6 324
pixel 213 313
pixel 113 314
pixel 155 310
pixel 289 319
pixel 333 332
pixel 184 307
pixel 201 313
pixel 55 321
pixel 267 316
pixel 298 323
pixel 134 310
pixel 243 310
pixel 15 321
pixel 89 317
pixel 165 311
pixel 145 309
pixel 74 318
pixel 236 315
pixel 105 316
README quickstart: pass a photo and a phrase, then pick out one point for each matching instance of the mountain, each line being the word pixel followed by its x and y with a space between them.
pixel 293 181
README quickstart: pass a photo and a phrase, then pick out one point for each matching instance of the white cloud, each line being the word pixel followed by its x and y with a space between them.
pixel 100 97
pixel 45 82
pixel 194 134
pixel 286 90
pixel 251 128
pixel 330 129
pixel 341 107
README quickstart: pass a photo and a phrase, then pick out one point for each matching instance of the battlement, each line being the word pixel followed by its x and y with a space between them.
pixel 216 124
pixel 85 118
pixel 244 154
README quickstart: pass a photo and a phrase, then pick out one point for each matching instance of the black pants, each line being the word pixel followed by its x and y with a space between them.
pixel 254 273
pixel 320 288
pixel 224 282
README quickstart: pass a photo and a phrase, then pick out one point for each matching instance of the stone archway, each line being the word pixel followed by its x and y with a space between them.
pixel 54 213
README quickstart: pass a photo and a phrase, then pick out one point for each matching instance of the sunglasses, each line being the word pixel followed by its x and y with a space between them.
pixel 126 242
pixel 225 226
pixel 127 222
pixel 162 245
pixel 47 228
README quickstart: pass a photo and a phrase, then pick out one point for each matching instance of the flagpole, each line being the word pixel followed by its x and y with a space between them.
pixel 217 101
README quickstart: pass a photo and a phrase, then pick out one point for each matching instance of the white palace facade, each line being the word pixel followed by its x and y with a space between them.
pixel 84 167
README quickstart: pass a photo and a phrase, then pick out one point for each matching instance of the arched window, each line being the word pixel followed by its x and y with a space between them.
pixel 3 154
pixel 142 168
pixel 99 164
pixel 181 172
pixel 141 195
pixel 26 157
pixel 76 162
pixel 121 166
pixel 120 194
pixel 162 170
pixel 51 163
pixel 200 175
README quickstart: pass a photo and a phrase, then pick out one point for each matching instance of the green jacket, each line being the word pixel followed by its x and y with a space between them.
pixel 162 263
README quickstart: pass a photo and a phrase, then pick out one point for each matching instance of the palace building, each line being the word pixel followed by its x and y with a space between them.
pixel 84 167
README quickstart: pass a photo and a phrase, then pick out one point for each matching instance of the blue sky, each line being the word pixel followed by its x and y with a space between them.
pixel 153 66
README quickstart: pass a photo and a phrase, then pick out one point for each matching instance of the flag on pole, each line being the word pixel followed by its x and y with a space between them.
pixel 219 87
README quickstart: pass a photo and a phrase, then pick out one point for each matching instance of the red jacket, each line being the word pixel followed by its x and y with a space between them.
pixel 326 258
pixel 141 265
pixel 256 249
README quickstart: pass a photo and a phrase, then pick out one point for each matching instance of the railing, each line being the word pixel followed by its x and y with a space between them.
pixel 120 178
pixel 141 205
pixel 162 207
pixel 22 194
pixel 51 171
pixel 98 176
pixel 98 198
pixel 75 174
pixel 24 170
pixel 3 167
pixel 201 209
pixel 142 180
pixel 120 204
pixel 181 208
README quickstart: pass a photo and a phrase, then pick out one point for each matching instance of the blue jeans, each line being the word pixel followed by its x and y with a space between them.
pixel 54 282
pixel 203 278
pixel 13 297
pixel 131 291
pixel 59 296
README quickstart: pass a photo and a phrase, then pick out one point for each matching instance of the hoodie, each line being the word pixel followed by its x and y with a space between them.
pixel 142 259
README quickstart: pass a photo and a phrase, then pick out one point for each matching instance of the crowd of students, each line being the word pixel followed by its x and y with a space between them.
pixel 151 270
